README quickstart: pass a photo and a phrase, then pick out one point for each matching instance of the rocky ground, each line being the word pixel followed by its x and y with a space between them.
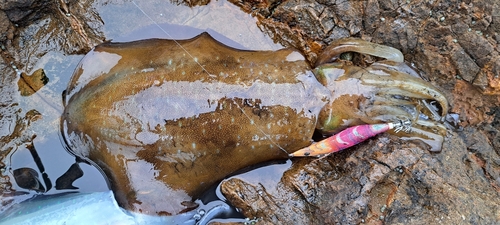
pixel 453 44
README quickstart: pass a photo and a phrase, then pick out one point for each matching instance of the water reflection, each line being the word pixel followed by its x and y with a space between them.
pixel 35 161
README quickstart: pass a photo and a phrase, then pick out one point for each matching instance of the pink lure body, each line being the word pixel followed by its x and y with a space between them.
pixel 344 139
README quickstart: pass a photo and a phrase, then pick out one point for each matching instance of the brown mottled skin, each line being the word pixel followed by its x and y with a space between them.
pixel 164 126
pixel 225 144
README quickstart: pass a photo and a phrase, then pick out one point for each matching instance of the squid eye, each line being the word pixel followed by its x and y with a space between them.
pixel 346 56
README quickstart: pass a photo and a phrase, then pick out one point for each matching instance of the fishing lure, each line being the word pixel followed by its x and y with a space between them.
pixel 350 137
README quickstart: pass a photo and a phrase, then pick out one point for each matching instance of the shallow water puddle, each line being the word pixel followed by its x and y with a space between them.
pixel 162 19
pixel 122 21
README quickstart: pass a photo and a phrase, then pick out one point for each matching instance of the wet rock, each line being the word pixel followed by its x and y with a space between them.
pixel 495 20
pixel 6 28
pixel 483 152
pixel 17 10
pixel 290 23
pixel 466 67
pixel 371 16
pixel 431 35
pixel 256 202
pixel 470 105
pixel 73 30
pixel 70 28
pixel 382 181
pixel 488 78
pixel 349 15
pixel 476 46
